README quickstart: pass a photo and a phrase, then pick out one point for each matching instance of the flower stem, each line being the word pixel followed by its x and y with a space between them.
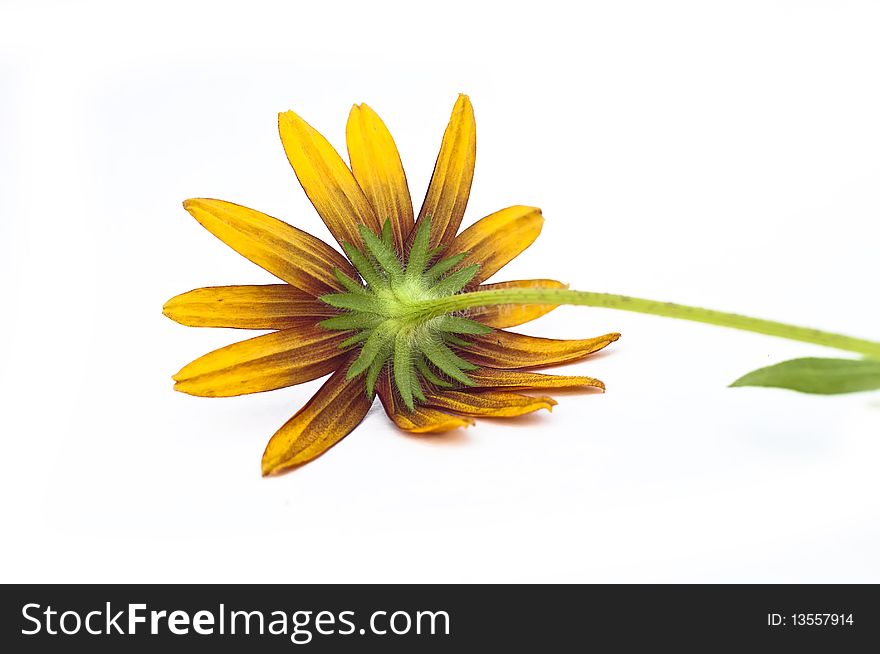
pixel 441 306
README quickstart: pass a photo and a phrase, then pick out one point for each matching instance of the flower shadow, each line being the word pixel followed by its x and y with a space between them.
pixel 452 438
pixel 531 420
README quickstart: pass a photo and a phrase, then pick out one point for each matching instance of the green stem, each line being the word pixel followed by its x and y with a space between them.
pixel 441 306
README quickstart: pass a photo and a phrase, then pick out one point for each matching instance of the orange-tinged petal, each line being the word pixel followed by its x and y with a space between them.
pixel 450 185
pixel 508 350
pixel 523 381
pixel 376 165
pixel 272 306
pixel 326 179
pixel 422 420
pixel 510 315
pixel 292 255
pixel 332 413
pixel 425 420
pixel 498 238
pixel 489 404
pixel 264 363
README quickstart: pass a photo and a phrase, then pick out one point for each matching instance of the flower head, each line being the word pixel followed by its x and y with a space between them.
pixel 405 315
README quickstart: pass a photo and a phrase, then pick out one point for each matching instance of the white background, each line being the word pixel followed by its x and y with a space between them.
pixel 720 154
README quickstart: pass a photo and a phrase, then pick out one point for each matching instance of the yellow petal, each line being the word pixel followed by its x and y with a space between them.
pixel 376 165
pixel 490 404
pixel 422 420
pixel 450 185
pixel 498 238
pixel 273 306
pixel 508 350
pixel 523 381
pixel 326 179
pixel 332 413
pixel 510 315
pixel 292 255
pixel 285 358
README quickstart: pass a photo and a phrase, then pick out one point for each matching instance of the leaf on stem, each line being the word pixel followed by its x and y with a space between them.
pixel 819 376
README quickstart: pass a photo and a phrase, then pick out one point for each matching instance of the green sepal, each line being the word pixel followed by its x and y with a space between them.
pixel 346 321
pixel 375 369
pixel 354 301
pixel 459 325
pixel 359 337
pixel 451 339
pixel 426 372
pixel 387 233
pixel 461 363
pixel 447 362
pixel 456 281
pixel 417 390
pixel 443 266
pixel 363 265
pixel 349 284
pixel 370 350
pixel 402 367
pixel 382 252
pixel 418 253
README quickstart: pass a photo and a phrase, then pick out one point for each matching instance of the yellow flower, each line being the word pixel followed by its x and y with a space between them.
pixel 393 318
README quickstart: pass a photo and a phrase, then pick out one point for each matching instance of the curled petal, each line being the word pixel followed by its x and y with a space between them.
pixel 510 315
pixel 495 240
pixel 450 185
pixel 292 255
pixel 326 179
pixel 333 412
pixel 422 420
pixel 272 306
pixel 508 350
pixel 264 363
pixel 489 404
pixel 523 381
pixel 376 165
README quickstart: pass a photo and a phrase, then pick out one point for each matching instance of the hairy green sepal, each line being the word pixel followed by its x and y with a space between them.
pixel 382 312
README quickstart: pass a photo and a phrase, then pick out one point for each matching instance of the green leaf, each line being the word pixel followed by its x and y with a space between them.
pixel 443 266
pixel 455 281
pixel 814 375
pixel 383 253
